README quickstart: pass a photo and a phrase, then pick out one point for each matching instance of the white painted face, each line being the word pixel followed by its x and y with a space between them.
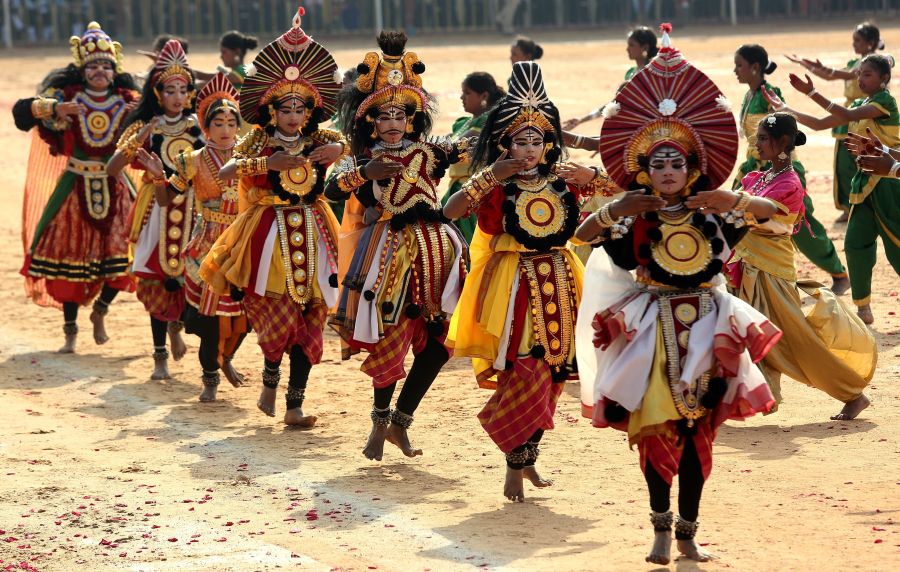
pixel 527 144
pixel 668 170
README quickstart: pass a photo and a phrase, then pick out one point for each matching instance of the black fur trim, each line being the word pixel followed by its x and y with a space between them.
pixel 171 285
pixel 654 234
pixel 710 229
pixel 717 245
pixel 513 227
pixel 413 311
pixel 615 413
pixel 715 391
pixel 538 351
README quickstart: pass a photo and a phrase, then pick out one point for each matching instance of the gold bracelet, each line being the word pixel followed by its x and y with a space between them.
pixel 604 216
pixel 351 180
pixel 158 181
pixel 129 147
pixel 252 166
pixel 43 107
pixel 479 185
pixel 743 200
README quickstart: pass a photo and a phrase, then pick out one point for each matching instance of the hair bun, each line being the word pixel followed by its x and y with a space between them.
pixel 771 67
pixel 799 139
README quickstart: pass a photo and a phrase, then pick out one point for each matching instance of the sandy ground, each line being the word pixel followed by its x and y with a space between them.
pixel 103 469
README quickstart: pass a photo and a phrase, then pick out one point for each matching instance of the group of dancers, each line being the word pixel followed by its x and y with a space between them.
pixel 685 315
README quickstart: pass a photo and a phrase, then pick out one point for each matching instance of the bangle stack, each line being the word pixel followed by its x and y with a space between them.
pixel 578 141
pixel 743 200
pixel 352 179
pixel 895 170
pixel 478 186
pixel 43 107
pixel 251 167
pixel 129 147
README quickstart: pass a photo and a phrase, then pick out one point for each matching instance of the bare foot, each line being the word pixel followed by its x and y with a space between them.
pixel 661 552
pixel 690 549
pixel 865 314
pixel 266 401
pixel 374 449
pixel 532 475
pixel 176 341
pixel 209 393
pixel 296 418
pixel 852 408
pixel 514 487
pixel 160 366
pixel 398 436
pixel 844 217
pixel 69 346
pixel 232 375
pixel 840 285
pixel 97 319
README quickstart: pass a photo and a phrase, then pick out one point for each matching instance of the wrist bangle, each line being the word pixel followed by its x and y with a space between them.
pixel 744 199
pixel 829 106
pixel 895 170
pixel 579 140
pixel 158 181
pixel 605 216
pixel 812 92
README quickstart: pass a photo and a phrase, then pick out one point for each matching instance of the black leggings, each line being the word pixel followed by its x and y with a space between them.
pixel 107 295
pixel 690 484
pixel 425 368
pixel 159 329
pixel 300 368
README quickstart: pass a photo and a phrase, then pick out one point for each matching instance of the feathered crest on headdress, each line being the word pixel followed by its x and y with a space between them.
pixel 669 102
pixel 526 104
pixel 96 45
pixel 171 64
pixel 294 65
pixel 217 90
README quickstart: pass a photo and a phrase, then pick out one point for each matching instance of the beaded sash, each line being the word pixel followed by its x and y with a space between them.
pixel 553 301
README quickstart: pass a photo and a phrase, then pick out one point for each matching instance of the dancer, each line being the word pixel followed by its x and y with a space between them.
pixel 516 316
pixel 762 273
pixel 74 212
pixel 281 252
pixel 641 47
pixel 163 125
pixel 866 40
pixel 875 206
pixel 218 320
pixel 479 94
pixel 872 156
pixel 665 353
pixel 233 48
pixel 401 266
pixel 751 65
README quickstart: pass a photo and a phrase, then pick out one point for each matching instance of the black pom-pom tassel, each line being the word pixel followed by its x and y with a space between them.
pixel 715 391
pixel 387 308
pixel 710 229
pixel 717 245
pixel 654 234
pixel 363 69
pixel 332 281
pixel 644 251
pixel 715 266
pixel 508 365
pixel 685 430
pixel 559 185
pixel 698 219
pixel 369 295
pixel 538 351
pixel 508 207
pixel 510 189
pixel 560 376
pixel 171 285
pixel 651 216
pixel 413 311
pixel 418 67
pixel 615 413
pixel 237 294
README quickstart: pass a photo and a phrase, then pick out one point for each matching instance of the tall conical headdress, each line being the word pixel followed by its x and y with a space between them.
pixel 526 104
pixel 294 64
pixel 171 64
pixel 218 93
pixel 95 45
pixel 669 102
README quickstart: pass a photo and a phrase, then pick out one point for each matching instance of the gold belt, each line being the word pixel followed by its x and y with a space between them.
pixel 86 168
pixel 218 217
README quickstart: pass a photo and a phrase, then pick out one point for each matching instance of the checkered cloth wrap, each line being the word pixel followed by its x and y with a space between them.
pixel 280 324
pixel 664 451
pixel 159 302
pixel 385 361
pixel 524 401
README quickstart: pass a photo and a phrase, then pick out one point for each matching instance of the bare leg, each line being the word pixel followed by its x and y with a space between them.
pixel 176 341
pixel 374 449
pixel 852 408
pixel 210 386
pixel 514 487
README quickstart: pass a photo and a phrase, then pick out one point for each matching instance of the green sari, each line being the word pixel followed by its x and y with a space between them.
pixel 460 172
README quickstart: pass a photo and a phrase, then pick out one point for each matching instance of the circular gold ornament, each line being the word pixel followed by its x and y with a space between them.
pixel 97 197
pixel 176 216
pixel 395 77
pixel 173 263
pixel 178 199
pixel 554 345
pixel 297 238
pixel 544 268
pixel 294 219
pixel 541 213
pixel 683 338
pixel 291 73
pixel 96 185
pixel 299 181
pixel 174 233
pixel 548 289
pixel 298 257
pixel 553 327
pixel 173 249
pixel 98 122
pixel 550 308
pixel 299 275
pixel 172 148
pixel 686 313
pixel 301 290
pixel 683 250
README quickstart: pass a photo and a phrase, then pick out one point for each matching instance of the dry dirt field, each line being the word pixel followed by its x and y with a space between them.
pixel 103 469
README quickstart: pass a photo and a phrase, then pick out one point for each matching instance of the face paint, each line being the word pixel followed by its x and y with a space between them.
pixel 527 144
pixel 390 124
pixel 668 171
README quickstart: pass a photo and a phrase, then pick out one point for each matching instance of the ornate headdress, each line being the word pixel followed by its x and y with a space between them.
pixel 171 65
pixel 218 93
pixel 391 78
pixel 669 103
pixel 526 105
pixel 294 65
pixel 95 45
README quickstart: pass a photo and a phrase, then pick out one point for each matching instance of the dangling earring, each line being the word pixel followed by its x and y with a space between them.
pixel 483 103
pixel 189 101
pixel 883 85
pixel 547 147
pixel 783 156
pixel 643 179
pixel 693 175
pixel 644 53
pixel 272 120
pixel 409 127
